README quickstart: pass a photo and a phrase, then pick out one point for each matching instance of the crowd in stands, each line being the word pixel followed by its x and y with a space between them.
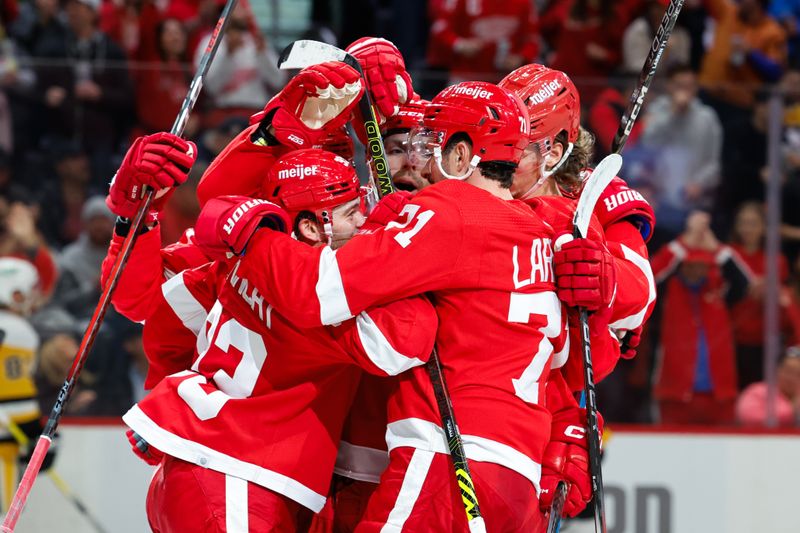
pixel 79 79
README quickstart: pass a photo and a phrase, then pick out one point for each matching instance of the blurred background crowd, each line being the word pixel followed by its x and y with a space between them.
pixel 79 79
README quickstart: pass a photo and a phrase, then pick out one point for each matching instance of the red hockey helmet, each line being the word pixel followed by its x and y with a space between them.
pixel 312 180
pixel 552 100
pixel 409 116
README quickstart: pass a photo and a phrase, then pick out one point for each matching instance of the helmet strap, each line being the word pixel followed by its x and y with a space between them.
pixel 473 164
pixel 547 173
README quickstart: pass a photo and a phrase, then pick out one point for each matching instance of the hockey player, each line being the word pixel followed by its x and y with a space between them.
pixel 485 259
pixel 19 344
pixel 252 429
pixel 590 274
pixel 395 133
pixel 161 162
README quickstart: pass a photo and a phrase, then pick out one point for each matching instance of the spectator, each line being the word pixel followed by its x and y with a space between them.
pixel 638 39
pixel 748 314
pixel 605 115
pixel 749 49
pixel 244 75
pixel 79 263
pixel 64 196
pixel 751 407
pixel 19 238
pixel 586 38
pixel 483 40
pixel 38 29
pixel 696 377
pixel 787 13
pixel 686 138
pixel 87 96
pixel 163 77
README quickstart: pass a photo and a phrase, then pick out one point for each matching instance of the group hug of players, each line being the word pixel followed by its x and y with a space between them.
pixel 287 333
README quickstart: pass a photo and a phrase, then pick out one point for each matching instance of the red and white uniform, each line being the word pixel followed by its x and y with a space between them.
pixel 488 263
pixel 265 400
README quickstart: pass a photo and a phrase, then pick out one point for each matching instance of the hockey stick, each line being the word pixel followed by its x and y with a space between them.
pixel 45 439
pixel 647 74
pixel 557 507
pixel 602 175
pixel 637 96
pixel 304 53
pixel 23 440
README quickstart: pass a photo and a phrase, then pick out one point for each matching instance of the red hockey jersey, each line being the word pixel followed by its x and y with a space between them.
pixel 488 263
pixel 265 400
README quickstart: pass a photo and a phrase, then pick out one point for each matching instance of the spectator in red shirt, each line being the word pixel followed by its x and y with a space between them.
pixel 699 278
pixel 483 40
pixel 748 314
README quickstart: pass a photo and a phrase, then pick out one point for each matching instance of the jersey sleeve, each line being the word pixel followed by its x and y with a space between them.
pixel 389 339
pixel 619 202
pixel 636 287
pixel 239 169
pixel 320 286
pixel 180 308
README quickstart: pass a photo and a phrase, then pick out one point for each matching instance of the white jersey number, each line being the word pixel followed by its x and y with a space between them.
pixel 520 310
pixel 404 237
pixel 224 336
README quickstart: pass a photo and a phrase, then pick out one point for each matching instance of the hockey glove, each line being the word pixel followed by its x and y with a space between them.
pixel 160 161
pixel 630 342
pixel 227 223
pixel 144 451
pixel 385 71
pixel 566 457
pixel 387 210
pixel 318 100
pixel 585 274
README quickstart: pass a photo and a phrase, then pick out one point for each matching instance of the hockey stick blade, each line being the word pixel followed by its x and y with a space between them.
pixel 557 507
pixel 602 175
pixel 304 53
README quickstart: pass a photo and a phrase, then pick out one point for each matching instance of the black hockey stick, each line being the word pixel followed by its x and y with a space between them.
pixel 304 53
pixel 637 96
pixel 602 175
pixel 45 439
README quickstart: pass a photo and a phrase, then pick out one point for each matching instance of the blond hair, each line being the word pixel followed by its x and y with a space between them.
pixel 568 177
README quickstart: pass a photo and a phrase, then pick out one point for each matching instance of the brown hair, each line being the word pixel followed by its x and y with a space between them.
pixel 568 177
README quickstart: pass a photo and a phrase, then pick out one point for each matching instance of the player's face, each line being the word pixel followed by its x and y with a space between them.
pixel 405 177
pixel 528 171
pixel 347 219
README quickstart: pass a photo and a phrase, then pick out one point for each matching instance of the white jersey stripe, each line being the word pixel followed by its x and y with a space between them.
pixel 236 518
pixel 184 304
pixel 636 320
pixel 424 435
pixel 409 491
pixel 333 307
pixel 379 350
pixel 193 452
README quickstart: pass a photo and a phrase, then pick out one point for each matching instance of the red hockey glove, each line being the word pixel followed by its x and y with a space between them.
pixel 387 210
pixel 630 342
pixel 144 451
pixel 160 161
pixel 226 223
pixel 318 100
pixel 566 457
pixel 385 72
pixel 585 274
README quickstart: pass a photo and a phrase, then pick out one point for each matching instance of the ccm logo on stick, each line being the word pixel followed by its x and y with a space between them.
pixel 241 210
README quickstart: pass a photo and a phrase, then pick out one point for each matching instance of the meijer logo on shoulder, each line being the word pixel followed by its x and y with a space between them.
pixel 298 172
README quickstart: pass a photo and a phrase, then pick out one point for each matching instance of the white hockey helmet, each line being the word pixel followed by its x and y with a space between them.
pixel 19 282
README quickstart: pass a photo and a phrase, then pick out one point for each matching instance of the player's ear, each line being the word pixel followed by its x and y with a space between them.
pixel 462 155
pixel 554 155
pixel 309 231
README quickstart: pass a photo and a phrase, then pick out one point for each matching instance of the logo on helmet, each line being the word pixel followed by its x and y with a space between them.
pixel 474 92
pixel 547 90
pixel 298 172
